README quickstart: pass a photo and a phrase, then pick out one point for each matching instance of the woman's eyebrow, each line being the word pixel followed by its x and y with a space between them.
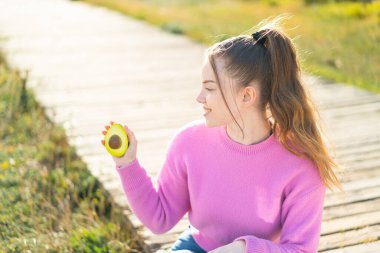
pixel 208 81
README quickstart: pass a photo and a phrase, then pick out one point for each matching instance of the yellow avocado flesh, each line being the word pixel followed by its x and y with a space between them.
pixel 116 140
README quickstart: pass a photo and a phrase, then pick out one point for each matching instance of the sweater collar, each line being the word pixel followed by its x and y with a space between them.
pixel 241 148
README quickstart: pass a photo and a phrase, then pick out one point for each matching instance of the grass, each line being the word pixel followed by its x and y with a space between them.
pixel 339 41
pixel 49 202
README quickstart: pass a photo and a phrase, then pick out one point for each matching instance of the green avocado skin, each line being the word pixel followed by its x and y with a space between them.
pixel 118 130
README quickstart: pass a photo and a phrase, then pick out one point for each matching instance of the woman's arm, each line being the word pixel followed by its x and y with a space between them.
pixel 158 209
pixel 301 220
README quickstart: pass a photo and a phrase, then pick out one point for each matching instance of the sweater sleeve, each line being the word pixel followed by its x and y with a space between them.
pixel 301 219
pixel 158 208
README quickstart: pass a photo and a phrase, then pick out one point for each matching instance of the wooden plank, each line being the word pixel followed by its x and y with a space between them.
pixel 349 101
pixel 349 209
pixel 149 124
pixel 129 115
pixel 349 121
pixel 352 196
pixel 127 96
pixel 361 184
pixel 365 247
pixel 361 174
pixel 360 156
pixel 364 132
pixel 350 222
pixel 349 238
pixel 358 139
pixel 370 147
pixel 342 112
pixel 364 165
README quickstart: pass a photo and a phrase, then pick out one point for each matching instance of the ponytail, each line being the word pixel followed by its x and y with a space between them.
pixel 294 113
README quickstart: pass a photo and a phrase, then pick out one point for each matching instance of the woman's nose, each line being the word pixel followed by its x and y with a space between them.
pixel 199 98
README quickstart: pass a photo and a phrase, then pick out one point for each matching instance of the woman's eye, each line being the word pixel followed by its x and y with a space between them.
pixel 208 89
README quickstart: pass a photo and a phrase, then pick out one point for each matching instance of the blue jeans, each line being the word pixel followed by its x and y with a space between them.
pixel 186 243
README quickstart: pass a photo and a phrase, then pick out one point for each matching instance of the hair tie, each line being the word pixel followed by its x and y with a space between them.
pixel 257 36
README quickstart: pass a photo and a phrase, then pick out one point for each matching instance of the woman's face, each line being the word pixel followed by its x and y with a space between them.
pixel 210 96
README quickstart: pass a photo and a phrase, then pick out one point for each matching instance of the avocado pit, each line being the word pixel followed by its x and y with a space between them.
pixel 115 142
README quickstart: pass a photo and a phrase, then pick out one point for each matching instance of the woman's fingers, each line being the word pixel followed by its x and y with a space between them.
pixel 127 131
pixel 104 133
pixel 130 134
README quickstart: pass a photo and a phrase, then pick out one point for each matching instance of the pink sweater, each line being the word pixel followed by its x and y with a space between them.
pixel 260 193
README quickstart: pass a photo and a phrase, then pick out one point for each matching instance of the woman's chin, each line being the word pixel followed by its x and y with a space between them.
pixel 210 123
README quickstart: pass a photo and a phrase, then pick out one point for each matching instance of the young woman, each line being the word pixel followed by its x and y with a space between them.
pixel 252 175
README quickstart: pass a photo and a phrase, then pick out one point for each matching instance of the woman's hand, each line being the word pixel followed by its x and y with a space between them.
pixel 234 247
pixel 130 154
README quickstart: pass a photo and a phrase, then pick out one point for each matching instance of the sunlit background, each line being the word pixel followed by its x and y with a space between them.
pixel 69 67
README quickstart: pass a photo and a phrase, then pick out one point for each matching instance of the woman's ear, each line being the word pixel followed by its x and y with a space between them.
pixel 249 95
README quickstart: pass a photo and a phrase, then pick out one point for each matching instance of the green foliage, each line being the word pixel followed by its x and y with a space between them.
pixel 173 28
pixel 49 202
pixel 272 2
pixel 335 1
pixel 89 241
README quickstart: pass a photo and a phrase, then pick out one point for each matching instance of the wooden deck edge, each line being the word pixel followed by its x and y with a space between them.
pixel 128 216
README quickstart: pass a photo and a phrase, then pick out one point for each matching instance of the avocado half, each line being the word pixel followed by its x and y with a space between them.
pixel 116 140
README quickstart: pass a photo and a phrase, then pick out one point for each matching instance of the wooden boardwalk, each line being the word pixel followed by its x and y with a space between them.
pixel 89 65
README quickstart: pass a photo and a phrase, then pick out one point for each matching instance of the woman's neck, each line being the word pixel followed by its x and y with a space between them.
pixel 253 133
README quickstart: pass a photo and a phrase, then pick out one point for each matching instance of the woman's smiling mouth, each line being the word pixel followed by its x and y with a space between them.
pixel 207 111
